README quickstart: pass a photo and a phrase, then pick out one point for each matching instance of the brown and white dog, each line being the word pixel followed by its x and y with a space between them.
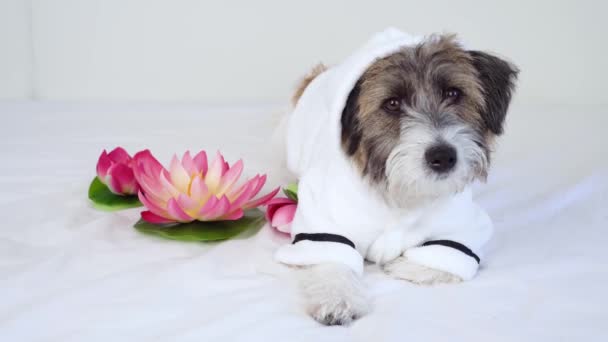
pixel 385 145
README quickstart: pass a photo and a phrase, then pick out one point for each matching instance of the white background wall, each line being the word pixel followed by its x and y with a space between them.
pixel 253 51
pixel 15 50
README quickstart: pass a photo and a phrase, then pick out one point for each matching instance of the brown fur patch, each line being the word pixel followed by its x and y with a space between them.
pixel 305 81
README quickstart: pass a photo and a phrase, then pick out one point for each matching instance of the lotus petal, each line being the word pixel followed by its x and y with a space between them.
pixel 151 217
pixel 198 190
pixel 280 213
pixel 200 161
pixel 176 212
pixel 179 176
pixel 230 177
pixel 284 215
pixel 273 205
pixel 188 164
pixel 151 205
pixel 219 209
pixel 103 164
pixel 119 155
pixel 122 180
pixel 262 200
pixel 213 177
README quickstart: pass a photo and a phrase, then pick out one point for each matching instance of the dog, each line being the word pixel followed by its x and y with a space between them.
pixel 414 121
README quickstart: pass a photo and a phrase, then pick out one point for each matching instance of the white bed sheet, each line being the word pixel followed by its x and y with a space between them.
pixel 71 273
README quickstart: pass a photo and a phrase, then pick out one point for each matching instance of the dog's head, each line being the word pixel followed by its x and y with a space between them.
pixel 420 123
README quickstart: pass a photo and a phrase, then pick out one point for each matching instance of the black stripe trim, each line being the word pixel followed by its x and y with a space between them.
pixel 456 245
pixel 323 237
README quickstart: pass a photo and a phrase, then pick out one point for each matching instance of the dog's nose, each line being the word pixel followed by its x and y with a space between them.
pixel 441 158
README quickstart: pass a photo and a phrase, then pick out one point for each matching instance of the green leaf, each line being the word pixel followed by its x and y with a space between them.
pixel 293 187
pixel 291 191
pixel 251 222
pixel 104 199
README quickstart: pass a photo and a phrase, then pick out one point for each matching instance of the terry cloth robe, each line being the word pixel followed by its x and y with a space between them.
pixel 339 218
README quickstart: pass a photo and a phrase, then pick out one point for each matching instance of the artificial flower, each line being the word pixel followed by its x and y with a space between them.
pixel 280 213
pixel 192 189
pixel 114 170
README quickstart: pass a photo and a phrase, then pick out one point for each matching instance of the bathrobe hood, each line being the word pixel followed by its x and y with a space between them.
pixel 314 129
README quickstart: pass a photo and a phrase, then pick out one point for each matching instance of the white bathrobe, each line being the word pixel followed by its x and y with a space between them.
pixel 334 199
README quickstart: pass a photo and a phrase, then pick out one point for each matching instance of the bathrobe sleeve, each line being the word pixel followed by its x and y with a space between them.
pixel 457 234
pixel 323 231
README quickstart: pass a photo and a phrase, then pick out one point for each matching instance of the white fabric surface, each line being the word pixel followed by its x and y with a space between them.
pixel 333 198
pixel 71 273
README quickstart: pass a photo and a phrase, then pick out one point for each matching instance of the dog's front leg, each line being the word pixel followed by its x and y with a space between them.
pixel 450 257
pixel 333 293
pixel 449 260
pixel 412 271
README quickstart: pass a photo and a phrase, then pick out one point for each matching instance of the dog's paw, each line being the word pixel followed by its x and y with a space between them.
pixel 386 247
pixel 402 268
pixel 333 294
pixel 337 312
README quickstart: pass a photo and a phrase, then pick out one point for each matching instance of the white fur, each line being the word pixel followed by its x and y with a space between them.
pixel 403 268
pixel 393 242
pixel 386 247
pixel 409 179
pixel 444 259
pixel 333 293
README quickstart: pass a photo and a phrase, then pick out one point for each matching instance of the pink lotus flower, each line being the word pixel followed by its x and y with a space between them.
pixel 192 190
pixel 114 170
pixel 280 213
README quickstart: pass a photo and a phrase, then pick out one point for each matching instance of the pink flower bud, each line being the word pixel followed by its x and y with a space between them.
pixel 280 213
pixel 114 170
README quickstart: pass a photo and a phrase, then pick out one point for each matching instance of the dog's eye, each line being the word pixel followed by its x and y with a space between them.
pixel 452 94
pixel 392 105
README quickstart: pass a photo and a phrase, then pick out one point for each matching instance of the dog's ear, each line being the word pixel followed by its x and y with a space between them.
pixel 498 81
pixel 305 81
